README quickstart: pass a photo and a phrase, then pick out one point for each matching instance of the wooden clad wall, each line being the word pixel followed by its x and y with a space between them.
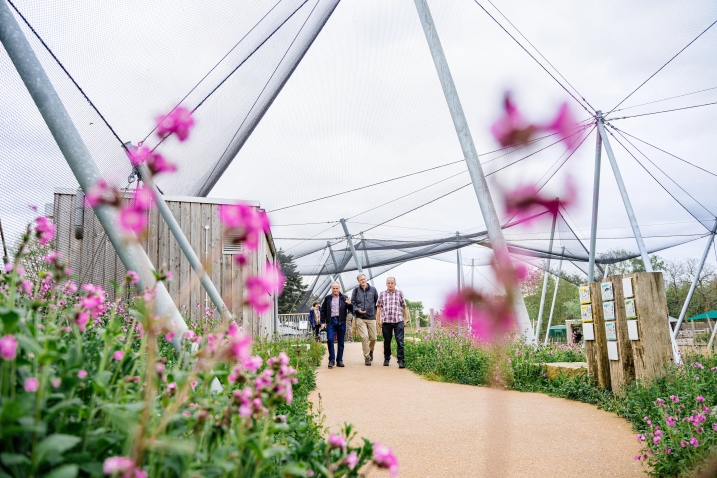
pixel 94 260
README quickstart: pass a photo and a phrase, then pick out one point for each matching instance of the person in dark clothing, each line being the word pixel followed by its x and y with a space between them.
pixel 333 316
pixel 363 299
pixel 315 319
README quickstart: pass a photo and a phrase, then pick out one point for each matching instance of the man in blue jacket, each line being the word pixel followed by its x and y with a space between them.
pixel 363 299
pixel 333 315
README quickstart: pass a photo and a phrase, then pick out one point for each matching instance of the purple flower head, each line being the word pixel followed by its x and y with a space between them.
pixel 383 457
pixel 31 384
pixel 352 460
pixel 179 121
pixel 337 441
pixel 45 230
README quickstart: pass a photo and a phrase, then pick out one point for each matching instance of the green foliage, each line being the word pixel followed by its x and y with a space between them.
pixel 75 394
pixel 294 288
pixel 567 305
pixel 417 305
pixel 675 416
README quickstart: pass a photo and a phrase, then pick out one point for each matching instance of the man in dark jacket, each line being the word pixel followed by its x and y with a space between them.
pixel 364 299
pixel 333 315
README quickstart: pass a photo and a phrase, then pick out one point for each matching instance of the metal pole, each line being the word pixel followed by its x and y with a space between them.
pixel 459 264
pixel 607 271
pixel 473 269
pixel 81 163
pixel 495 233
pixel 555 296
pixel 596 197
pixel 545 280
pixel 712 338
pixel 336 266
pixel 694 281
pixel 365 253
pixel 184 244
pixel 625 197
pixel 351 245
pixel 5 258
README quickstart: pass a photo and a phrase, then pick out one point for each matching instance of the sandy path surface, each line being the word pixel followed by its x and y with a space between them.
pixel 450 430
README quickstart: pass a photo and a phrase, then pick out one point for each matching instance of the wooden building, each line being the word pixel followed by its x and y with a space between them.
pixel 82 241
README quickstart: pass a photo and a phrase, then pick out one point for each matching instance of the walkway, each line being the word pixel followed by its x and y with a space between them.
pixel 449 430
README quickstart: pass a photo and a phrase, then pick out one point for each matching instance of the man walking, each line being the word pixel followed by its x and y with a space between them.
pixel 363 299
pixel 333 315
pixel 390 312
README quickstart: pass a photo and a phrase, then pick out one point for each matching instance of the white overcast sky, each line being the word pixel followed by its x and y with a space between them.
pixel 365 105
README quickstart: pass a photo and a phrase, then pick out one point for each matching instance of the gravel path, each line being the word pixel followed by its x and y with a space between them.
pixel 449 430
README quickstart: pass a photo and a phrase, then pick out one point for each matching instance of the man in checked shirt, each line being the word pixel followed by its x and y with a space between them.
pixel 390 311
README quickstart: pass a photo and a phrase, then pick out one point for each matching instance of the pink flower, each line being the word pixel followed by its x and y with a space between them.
pixel 8 347
pixel 31 384
pixel 56 382
pixel 337 441
pixel 511 129
pixel 160 367
pixel 70 287
pixel 118 464
pixel 383 457
pixel 102 194
pixel 178 121
pixel 564 125
pixel 133 220
pixel 157 164
pixel 675 398
pixel 525 199
pixel 694 442
pixel 640 437
pixel 252 364
pixel 81 319
pixel 194 384
pixel 668 451
pixel 26 286
pixel 82 374
pixel 700 398
pixel 169 336
pixel 45 230
pixel 118 355
pixel 52 257
pixel 132 277
pixel 244 223
pixel 259 288
pixel 352 460
pixel 138 155
pixel 239 343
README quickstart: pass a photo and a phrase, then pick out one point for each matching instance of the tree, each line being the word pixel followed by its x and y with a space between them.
pixel 294 288
pixel 414 306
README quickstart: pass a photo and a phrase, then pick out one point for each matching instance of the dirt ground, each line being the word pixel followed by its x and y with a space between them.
pixel 449 430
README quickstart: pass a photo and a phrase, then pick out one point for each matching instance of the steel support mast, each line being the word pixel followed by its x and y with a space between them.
pixel 351 246
pixel 545 280
pixel 336 266
pixel 555 296
pixel 695 281
pixel 596 197
pixel 365 253
pixel 470 154
pixel 625 197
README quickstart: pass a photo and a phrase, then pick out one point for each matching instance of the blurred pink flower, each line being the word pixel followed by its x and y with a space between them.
pixel 56 382
pixel 337 441
pixel 252 364
pixel 118 355
pixel 244 223
pixel 138 155
pixel 117 464
pixel 82 374
pixel 694 442
pixel 31 384
pixel 81 319
pixel 259 288
pixel 511 128
pixel 194 384
pixel 52 257
pixel 179 121
pixel 564 125
pixel 525 198
pixel 102 194
pixel 157 164
pixel 239 343
pixel 700 398
pixel 45 230
pixel 132 277
pixel 26 286
pixel 8 347
pixel 352 460
pixel 383 457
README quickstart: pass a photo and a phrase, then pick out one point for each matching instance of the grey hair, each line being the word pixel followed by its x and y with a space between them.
pixel 394 279
pixel 360 275
pixel 335 282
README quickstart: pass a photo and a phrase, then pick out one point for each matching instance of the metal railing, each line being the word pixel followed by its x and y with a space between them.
pixel 294 325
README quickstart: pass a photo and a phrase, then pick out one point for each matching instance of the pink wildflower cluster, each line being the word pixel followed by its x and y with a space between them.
pixel 91 305
pixel 45 230
pixel 260 288
pixel 243 224
pixel 526 198
pixel 102 194
pixel 122 466
pixel 273 386
pixel 513 129
pixel 383 457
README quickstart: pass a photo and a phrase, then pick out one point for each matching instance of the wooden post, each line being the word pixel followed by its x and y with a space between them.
pixel 653 350
pixel 596 350
pixel 622 370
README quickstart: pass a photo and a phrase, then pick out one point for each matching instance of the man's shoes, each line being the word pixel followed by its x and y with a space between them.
pixel 368 361
pixel 400 364
pixel 331 364
pixel 370 356
pixel 339 364
pixel 385 363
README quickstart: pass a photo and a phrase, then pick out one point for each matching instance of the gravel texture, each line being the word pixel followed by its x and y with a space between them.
pixel 449 430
